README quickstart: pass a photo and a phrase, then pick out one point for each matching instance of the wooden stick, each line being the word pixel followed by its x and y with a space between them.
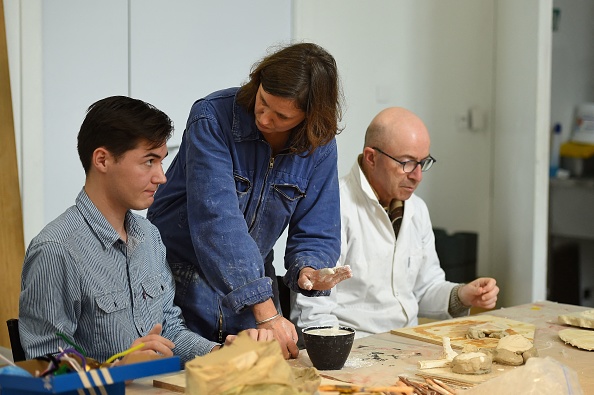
pixel 444 385
pixel 436 387
pixel 353 389
pixel 417 386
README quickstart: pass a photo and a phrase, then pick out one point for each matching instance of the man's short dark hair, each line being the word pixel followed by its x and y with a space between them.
pixel 120 124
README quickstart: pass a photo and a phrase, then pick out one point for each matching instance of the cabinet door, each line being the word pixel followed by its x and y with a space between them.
pixel 85 58
pixel 183 50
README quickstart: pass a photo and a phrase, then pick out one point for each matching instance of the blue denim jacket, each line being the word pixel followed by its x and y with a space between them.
pixel 225 204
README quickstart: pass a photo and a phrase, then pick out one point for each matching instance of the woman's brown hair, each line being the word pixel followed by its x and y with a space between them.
pixel 306 73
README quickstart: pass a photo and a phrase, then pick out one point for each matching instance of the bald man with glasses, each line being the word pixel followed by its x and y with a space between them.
pixel 387 240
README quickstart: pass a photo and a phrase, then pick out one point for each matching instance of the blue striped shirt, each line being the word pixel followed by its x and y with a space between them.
pixel 79 278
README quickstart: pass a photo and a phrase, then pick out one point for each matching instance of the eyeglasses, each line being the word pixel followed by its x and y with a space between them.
pixel 408 166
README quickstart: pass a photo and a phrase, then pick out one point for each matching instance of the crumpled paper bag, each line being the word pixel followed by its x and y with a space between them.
pixel 248 367
pixel 539 376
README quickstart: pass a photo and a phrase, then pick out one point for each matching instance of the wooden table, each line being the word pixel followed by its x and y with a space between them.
pixel 380 359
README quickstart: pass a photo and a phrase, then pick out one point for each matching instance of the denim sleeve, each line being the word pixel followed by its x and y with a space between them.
pixel 314 229
pixel 228 256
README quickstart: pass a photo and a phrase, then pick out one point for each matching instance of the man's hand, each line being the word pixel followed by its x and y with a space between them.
pixel 260 335
pixel 481 292
pixel 323 279
pixel 153 343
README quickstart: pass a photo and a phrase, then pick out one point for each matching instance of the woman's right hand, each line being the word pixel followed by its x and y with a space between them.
pixel 285 333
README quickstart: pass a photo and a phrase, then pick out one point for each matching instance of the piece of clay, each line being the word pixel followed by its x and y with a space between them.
pixel 507 357
pixel 486 330
pixel 580 338
pixel 583 319
pixel 472 363
pixel 498 335
pixel 526 355
pixel 515 343
pixel 470 348
pixel 474 333
pixel 489 351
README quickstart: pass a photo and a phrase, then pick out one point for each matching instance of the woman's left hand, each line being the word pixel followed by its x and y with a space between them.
pixel 323 279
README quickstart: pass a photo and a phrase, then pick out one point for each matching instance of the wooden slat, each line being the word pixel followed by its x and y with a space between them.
pixel 12 244
pixel 457 328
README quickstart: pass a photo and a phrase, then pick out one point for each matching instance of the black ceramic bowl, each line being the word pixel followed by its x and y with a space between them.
pixel 328 347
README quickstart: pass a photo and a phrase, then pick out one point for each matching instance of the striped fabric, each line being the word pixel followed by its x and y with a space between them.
pixel 79 278
pixel 395 212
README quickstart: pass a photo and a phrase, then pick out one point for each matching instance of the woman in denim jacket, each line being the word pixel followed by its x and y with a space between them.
pixel 254 160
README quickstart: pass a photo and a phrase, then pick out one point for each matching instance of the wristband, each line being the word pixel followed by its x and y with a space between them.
pixel 456 307
pixel 268 319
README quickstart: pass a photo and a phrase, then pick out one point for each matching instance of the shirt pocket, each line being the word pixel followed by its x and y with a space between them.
pixel 113 309
pixel 415 260
pixel 153 291
pixel 113 302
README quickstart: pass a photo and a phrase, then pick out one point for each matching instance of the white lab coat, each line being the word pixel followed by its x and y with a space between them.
pixel 394 280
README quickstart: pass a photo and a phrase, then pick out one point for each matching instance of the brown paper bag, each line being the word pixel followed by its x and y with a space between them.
pixel 248 367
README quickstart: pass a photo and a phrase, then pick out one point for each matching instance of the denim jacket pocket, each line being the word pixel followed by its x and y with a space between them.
pixel 243 187
pixel 290 192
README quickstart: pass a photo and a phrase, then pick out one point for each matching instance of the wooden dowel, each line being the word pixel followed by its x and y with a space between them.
pixel 444 385
pixel 436 387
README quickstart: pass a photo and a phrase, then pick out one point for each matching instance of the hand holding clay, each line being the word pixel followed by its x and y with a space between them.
pixel 481 292
pixel 323 279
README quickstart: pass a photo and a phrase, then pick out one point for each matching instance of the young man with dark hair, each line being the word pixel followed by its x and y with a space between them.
pixel 98 273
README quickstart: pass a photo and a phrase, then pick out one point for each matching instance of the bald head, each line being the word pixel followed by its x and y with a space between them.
pixel 394 123
pixel 395 134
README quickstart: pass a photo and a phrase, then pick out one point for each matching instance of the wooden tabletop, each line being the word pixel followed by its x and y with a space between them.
pixel 378 360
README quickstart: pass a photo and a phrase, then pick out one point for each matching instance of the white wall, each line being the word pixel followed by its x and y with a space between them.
pixel 167 53
pixel 435 57
pixel 23 24
pixel 572 80
pixel 80 66
pixel 405 53
pixel 521 147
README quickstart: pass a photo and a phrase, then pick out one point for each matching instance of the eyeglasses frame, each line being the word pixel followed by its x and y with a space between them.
pixel 403 163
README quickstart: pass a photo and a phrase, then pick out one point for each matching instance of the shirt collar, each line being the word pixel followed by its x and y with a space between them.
pixel 368 189
pixel 106 234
